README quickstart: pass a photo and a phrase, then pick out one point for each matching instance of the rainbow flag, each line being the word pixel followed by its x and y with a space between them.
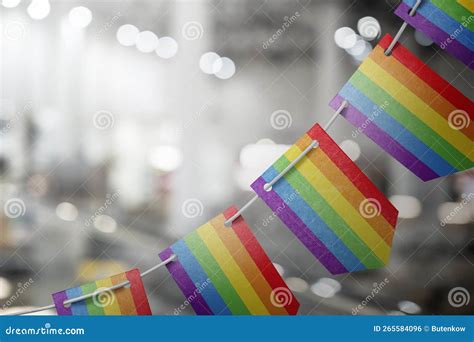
pixel 330 205
pixel 224 271
pixel 411 112
pixel 129 300
pixel 449 23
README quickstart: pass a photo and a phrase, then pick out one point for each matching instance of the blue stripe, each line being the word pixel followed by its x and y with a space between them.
pixel 312 220
pixel 78 308
pixel 445 22
pixel 200 279
pixel 396 130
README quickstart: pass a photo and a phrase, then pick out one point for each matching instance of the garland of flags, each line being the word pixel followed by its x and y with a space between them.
pixel 325 200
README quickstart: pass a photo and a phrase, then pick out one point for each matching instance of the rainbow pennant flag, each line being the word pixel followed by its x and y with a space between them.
pixel 330 205
pixel 127 301
pixel 224 271
pixel 411 112
pixel 449 23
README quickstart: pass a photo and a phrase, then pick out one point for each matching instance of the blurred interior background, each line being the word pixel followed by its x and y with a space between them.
pixel 126 124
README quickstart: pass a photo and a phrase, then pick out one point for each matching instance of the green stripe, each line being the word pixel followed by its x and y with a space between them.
pixel 329 215
pixel 92 309
pixel 215 273
pixel 408 120
pixel 456 11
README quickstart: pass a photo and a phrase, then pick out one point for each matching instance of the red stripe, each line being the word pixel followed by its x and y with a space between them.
pixel 138 293
pixel 353 173
pixel 259 256
pixel 424 72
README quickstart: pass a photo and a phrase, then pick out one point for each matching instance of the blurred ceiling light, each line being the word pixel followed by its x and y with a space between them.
pixel 224 68
pixel 422 39
pixel 351 148
pixel 369 28
pixel 167 47
pixel 326 287
pixel 10 3
pixel 5 288
pixel 80 17
pixel 408 206
pixel 210 62
pixel 409 307
pixel 279 268
pixel 66 211
pixel 39 9
pixel 127 35
pixel 297 284
pixel 165 158
pixel 146 41
pixel 345 37
pixel 105 224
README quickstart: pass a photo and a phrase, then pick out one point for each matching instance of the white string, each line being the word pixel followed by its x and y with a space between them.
pixel 402 28
pixel 268 186
pixel 93 294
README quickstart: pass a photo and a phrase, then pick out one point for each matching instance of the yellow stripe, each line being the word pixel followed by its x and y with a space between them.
pixel 415 105
pixel 339 203
pixel 469 4
pixel 231 270
pixel 113 309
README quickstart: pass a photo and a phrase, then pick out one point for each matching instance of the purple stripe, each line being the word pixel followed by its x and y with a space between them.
pixel 423 24
pixel 384 140
pixel 58 299
pixel 293 222
pixel 186 284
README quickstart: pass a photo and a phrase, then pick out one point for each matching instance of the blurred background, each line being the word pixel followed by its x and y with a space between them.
pixel 126 124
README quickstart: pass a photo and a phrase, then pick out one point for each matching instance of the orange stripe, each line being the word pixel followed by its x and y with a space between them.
pixel 417 86
pixel 345 187
pixel 246 264
pixel 124 297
